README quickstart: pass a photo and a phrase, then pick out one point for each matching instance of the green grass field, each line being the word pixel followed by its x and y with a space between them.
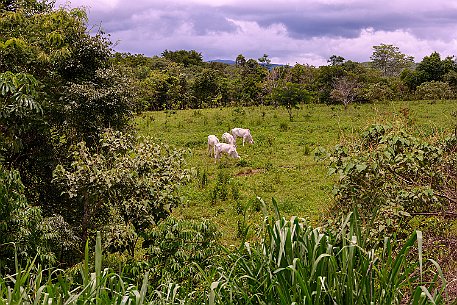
pixel 280 163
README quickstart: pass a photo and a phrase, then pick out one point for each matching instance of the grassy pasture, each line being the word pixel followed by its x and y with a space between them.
pixel 280 164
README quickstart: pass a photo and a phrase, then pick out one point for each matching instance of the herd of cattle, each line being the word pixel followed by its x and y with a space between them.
pixel 216 148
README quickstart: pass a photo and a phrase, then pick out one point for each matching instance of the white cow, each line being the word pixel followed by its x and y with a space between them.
pixel 227 149
pixel 228 138
pixel 212 141
pixel 243 133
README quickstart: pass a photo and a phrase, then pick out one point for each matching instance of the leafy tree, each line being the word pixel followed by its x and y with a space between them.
pixel 290 96
pixel 249 82
pixel 187 58
pixel 90 106
pixel 206 87
pixel 432 68
pixel 390 60
pixel 335 60
pixel 240 60
pixel 303 74
pixel 451 79
pixel 265 61
pixel 411 78
pixel 434 90
pixel 325 80
pixel 378 92
pixel 121 184
pixel 67 68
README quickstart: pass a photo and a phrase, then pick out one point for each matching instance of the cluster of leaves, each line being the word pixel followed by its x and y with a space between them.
pixel 23 231
pixel 392 174
pixel 179 251
pixel 122 185
pixel 434 90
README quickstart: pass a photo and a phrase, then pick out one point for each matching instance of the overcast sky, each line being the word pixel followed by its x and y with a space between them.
pixel 289 31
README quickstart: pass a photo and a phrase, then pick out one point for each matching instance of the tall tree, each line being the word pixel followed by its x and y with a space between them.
pixel 390 60
pixel 265 61
pixel 432 68
pixel 290 96
pixel 187 58
pixel 335 60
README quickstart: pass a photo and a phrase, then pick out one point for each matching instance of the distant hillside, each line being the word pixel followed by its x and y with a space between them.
pixel 232 62
pixel 224 61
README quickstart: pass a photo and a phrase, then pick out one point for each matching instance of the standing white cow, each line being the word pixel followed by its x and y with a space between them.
pixel 242 133
pixel 212 141
pixel 228 138
pixel 227 149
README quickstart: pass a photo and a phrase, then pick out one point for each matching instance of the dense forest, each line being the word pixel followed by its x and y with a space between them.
pixel 72 165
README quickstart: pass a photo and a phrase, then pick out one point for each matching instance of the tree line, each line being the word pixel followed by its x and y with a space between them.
pixel 181 79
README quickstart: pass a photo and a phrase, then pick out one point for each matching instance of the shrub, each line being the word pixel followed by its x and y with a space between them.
pixel 393 174
pixel 434 90
pixel 124 183
pixel 177 251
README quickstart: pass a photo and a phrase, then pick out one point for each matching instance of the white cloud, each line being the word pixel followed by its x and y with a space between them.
pixel 288 31
pixel 101 5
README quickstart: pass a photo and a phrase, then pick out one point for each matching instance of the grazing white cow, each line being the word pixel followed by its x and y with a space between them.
pixel 227 149
pixel 212 141
pixel 243 133
pixel 228 138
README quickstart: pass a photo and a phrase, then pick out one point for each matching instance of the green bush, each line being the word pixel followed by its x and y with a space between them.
pixel 123 187
pixel 179 250
pixel 434 90
pixel 392 174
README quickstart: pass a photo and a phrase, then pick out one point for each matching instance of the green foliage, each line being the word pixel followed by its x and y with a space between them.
pixel 392 174
pixel 23 231
pixel 378 92
pixel 18 92
pixel 297 264
pixel 390 60
pixel 122 184
pixel 179 251
pixel 290 96
pixel 184 57
pixel 434 90
pixel 292 263
pixel 432 68
pixel 106 101
pixel 94 285
pixel 205 88
pixel 56 90
pixel 221 188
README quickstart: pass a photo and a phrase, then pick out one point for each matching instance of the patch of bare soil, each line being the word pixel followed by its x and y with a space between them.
pixel 250 171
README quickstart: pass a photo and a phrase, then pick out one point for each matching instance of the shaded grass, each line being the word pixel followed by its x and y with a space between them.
pixel 280 164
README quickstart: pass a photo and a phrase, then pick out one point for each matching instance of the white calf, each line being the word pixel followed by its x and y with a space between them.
pixel 227 149
pixel 228 138
pixel 243 133
pixel 212 141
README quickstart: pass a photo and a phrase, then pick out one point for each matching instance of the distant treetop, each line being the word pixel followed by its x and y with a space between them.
pixel 187 58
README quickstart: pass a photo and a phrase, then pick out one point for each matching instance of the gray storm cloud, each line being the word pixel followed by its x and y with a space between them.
pixel 295 31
